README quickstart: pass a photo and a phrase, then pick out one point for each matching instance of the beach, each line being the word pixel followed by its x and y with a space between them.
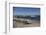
pixel 21 23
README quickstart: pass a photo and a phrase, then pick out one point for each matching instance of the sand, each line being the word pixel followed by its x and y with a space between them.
pixel 20 24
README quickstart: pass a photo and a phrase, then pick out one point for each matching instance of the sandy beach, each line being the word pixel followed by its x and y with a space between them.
pixel 21 24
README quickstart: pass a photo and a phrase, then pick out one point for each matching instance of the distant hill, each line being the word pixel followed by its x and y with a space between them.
pixel 37 17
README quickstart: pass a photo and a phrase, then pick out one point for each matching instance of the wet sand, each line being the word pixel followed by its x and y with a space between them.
pixel 19 24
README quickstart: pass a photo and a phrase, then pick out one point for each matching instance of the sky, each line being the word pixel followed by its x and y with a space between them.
pixel 26 11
